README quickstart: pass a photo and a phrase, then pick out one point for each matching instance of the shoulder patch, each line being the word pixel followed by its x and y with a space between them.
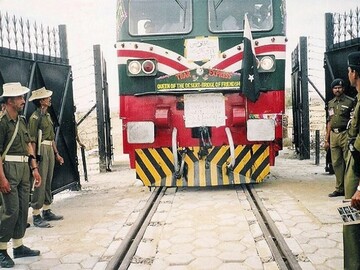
pixel 34 116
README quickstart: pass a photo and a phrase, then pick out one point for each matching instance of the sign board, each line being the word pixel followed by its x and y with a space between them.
pixel 199 79
pixel 207 109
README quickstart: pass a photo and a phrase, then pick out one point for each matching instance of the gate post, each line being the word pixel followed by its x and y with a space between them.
pixel 329 30
pixel 63 44
pixel 99 107
pixel 317 147
pixel 305 132
pixel 108 137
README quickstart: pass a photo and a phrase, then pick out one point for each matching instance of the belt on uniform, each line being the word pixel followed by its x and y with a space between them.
pixel 338 130
pixel 16 158
pixel 47 142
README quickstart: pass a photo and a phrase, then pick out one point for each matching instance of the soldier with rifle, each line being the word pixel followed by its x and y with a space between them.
pixel 42 136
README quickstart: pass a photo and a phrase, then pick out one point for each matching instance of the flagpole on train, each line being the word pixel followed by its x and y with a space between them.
pixel 250 82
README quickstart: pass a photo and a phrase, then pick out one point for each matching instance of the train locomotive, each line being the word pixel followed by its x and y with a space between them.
pixel 188 117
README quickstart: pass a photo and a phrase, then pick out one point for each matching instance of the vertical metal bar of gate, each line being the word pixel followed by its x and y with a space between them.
pixel 329 30
pixel 305 132
pixel 63 104
pixel 31 80
pixel 63 44
pixel 108 137
pixel 99 107
pixel 294 95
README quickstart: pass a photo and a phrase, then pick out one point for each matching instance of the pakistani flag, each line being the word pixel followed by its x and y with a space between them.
pixel 250 83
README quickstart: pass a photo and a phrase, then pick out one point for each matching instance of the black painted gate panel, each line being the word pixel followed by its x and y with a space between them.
pixel 57 77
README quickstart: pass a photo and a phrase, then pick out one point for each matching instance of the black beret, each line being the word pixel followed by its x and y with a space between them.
pixel 337 82
pixel 354 60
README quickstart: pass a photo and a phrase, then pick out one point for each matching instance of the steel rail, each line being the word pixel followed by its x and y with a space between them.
pixel 124 254
pixel 280 250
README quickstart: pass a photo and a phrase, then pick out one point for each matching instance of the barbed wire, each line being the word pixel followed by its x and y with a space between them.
pixel 84 91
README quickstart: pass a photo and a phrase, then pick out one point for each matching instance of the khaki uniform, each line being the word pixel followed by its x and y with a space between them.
pixel 42 195
pixel 15 204
pixel 339 110
pixel 351 233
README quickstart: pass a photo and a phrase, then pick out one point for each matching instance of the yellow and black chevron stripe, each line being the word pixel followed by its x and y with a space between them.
pixel 155 166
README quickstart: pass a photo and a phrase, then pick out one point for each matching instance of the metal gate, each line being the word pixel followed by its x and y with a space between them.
pixel 103 111
pixel 36 56
pixel 300 99
pixel 342 38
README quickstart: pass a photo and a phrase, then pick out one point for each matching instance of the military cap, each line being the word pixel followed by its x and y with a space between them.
pixel 337 82
pixel 354 60
pixel 14 89
pixel 40 94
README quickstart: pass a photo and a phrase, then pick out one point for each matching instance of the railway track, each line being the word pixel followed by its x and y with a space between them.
pixel 127 249
pixel 280 251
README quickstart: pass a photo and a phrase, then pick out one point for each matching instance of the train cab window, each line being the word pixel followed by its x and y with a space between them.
pixel 228 15
pixel 160 17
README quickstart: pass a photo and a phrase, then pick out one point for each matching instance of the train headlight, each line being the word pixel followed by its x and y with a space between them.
pixel 267 63
pixel 141 67
pixel 134 67
pixel 148 66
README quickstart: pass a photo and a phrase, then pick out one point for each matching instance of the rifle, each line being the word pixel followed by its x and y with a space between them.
pixel 38 159
pixel 38 152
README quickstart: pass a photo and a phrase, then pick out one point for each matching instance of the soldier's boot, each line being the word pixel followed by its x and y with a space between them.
pixel 49 216
pixel 5 260
pixel 39 222
pixel 24 251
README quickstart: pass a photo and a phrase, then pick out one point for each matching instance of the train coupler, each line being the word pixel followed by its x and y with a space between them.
pixel 179 166
pixel 205 142
pixel 181 172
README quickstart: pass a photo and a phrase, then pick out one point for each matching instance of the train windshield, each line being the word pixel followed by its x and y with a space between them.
pixel 228 15
pixel 156 17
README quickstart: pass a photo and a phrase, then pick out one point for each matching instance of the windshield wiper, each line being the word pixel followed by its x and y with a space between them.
pixel 185 15
pixel 184 8
pixel 217 4
pixel 215 8
pixel 180 5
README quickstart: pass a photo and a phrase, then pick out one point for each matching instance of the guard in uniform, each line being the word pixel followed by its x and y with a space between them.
pixel 2 106
pixel 40 121
pixel 351 233
pixel 339 109
pixel 16 156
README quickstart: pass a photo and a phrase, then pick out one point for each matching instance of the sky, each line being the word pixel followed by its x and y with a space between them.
pixel 91 22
